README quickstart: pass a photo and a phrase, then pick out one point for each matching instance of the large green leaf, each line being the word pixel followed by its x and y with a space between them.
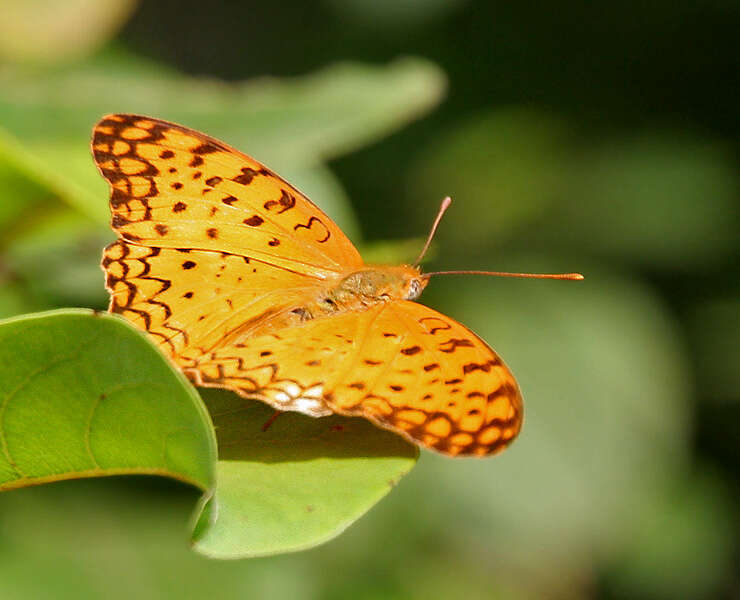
pixel 86 395
pixel 300 483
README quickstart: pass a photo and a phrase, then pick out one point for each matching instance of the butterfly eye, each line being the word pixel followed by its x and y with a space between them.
pixel 414 290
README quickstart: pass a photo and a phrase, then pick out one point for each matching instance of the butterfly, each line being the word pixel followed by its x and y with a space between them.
pixel 247 285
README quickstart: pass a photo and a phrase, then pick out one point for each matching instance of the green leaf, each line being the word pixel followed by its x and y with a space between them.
pixel 86 395
pixel 296 485
pixel 289 124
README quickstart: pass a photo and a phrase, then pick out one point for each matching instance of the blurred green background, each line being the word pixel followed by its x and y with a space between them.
pixel 592 137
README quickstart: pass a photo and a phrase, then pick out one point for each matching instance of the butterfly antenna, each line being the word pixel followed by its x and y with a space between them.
pixel 567 276
pixel 442 208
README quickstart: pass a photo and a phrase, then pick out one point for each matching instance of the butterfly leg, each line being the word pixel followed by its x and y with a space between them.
pixel 271 420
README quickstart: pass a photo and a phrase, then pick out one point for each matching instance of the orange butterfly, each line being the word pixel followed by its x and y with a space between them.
pixel 247 285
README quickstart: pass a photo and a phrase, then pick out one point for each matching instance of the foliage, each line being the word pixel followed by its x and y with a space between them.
pixel 297 485
pixel 578 137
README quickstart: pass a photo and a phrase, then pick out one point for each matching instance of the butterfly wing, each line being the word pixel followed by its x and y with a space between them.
pixel 210 239
pixel 172 187
pixel 440 385
pixel 191 300
pixel 402 365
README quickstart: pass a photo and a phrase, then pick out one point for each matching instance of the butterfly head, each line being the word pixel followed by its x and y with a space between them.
pixel 411 282
pixel 414 286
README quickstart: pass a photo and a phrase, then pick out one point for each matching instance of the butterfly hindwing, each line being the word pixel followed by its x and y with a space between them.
pixel 402 365
pixel 441 385
pixel 190 300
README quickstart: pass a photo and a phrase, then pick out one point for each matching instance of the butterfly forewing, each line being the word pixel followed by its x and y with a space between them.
pixel 211 240
pixel 172 187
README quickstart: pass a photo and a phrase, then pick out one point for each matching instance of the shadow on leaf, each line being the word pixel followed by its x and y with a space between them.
pixel 292 436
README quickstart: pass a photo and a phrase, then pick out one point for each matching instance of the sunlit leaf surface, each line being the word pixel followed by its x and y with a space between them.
pixel 85 395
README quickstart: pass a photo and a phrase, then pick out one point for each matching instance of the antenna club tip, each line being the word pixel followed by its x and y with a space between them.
pixel 446 202
pixel 576 276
